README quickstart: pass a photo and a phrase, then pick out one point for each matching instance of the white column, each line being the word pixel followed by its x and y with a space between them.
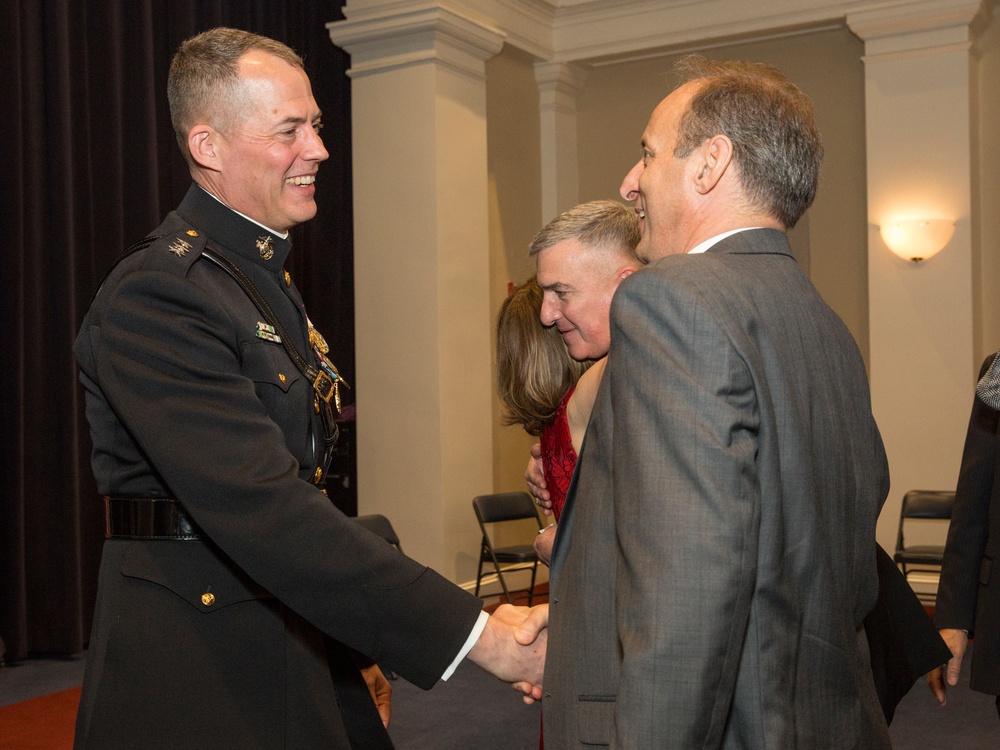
pixel 919 100
pixel 559 84
pixel 421 274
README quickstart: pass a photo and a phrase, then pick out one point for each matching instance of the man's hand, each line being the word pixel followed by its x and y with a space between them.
pixel 534 477
pixel 381 692
pixel 511 660
pixel 534 624
pixel 543 543
pixel 958 641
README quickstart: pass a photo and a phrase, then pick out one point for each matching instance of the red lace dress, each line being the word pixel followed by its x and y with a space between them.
pixel 558 456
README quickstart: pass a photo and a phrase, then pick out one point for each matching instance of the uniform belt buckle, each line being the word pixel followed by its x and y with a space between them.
pixel 324 386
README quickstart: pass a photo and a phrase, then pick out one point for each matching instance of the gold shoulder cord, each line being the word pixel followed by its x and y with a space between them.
pixel 321 348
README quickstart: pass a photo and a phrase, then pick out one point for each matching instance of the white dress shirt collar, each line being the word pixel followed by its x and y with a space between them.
pixel 702 247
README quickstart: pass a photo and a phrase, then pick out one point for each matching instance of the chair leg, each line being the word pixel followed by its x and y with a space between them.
pixel 503 583
pixel 531 591
pixel 479 571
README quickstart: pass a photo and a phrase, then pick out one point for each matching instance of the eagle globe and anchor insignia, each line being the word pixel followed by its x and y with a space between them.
pixel 265 246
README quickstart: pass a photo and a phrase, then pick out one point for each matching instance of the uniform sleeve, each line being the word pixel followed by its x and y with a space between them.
pixel 686 512
pixel 967 534
pixel 168 362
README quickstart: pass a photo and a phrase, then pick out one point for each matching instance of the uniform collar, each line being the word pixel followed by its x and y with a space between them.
pixel 234 231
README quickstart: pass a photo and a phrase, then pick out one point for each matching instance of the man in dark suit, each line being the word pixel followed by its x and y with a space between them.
pixel 237 607
pixel 717 555
pixel 968 600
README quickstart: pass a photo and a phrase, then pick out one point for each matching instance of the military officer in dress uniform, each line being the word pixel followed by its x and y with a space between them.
pixel 237 607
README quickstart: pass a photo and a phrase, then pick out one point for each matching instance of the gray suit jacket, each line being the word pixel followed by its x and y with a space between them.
pixel 717 554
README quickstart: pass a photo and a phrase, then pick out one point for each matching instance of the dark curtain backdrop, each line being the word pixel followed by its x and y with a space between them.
pixel 90 165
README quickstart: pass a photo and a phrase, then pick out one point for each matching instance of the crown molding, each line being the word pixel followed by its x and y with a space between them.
pixel 596 32
pixel 409 34
pixel 525 24
pixel 912 17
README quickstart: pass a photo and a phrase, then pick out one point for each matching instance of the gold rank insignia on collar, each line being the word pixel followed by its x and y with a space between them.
pixel 179 247
pixel 267 332
pixel 265 246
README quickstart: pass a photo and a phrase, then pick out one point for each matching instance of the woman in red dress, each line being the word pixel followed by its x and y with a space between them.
pixel 544 390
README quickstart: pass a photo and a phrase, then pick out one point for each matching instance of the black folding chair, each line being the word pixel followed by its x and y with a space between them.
pixel 920 506
pixel 502 508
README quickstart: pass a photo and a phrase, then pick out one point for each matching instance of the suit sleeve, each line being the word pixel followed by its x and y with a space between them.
pixel 969 529
pixel 169 365
pixel 686 512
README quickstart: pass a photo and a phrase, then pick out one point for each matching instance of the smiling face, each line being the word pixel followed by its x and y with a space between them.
pixel 577 286
pixel 656 184
pixel 265 165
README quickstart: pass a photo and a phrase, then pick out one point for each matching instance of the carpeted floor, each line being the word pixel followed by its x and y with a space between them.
pixel 471 710
pixel 44 723
pixel 968 722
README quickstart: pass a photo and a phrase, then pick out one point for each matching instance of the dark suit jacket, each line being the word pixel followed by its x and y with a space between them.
pixel 716 558
pixel 969 591
pixel 903 641
pixel 185 400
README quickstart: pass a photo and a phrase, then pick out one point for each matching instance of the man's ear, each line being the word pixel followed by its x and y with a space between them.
pixel 624 273
pixel 714 157
pixel 206 145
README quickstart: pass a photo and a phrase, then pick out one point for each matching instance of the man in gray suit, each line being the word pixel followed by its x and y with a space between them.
pixel 716 556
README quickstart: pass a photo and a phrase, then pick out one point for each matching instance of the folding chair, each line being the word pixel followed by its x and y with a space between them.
pixel 928 505
pixel 502 508
pixel 926 509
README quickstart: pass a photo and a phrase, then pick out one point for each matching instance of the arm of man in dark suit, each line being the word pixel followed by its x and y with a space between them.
pixel 957 591
pixel 686 512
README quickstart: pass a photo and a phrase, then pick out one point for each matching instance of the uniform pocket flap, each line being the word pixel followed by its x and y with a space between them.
pixel 595 717
pixel 269 363
pixel 192 571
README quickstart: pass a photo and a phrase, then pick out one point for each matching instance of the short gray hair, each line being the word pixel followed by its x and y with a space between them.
pixel 597 224
pixel 771 123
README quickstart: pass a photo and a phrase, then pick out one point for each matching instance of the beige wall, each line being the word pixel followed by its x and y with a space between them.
pixel 986 198
pixel 514 165
pixel 831 241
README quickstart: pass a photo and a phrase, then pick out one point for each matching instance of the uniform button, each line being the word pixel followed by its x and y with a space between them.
pixel 318 475
pixel 281 377
pixel 208 598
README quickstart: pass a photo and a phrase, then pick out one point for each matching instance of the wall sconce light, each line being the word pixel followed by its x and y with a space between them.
pixel 917 239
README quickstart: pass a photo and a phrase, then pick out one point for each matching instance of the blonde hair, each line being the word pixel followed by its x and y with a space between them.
pixel 534 369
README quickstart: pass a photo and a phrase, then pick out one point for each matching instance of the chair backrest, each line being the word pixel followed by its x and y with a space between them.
pixel 380 526
pixel 504 506
pixel 924 504
pixel 927 504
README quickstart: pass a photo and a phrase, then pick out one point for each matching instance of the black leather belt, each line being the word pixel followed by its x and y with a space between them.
pixel 147 518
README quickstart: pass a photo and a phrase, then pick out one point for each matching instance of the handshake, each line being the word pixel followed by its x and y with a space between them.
pixel 512 647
